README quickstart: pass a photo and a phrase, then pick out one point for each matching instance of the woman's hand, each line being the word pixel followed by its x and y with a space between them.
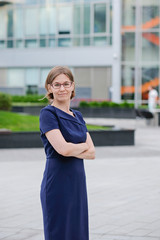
pixel 90 152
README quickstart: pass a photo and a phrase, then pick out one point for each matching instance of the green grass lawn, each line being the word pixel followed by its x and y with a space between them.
pixel 20 122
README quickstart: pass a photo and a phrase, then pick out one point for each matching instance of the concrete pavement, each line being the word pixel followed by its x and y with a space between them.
pixel 123 189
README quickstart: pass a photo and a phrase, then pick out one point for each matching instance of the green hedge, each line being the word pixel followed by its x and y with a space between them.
pixel 106 104
pixel 5 101
pixel 32 98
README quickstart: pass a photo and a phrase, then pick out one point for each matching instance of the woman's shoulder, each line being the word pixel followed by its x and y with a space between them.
pixel 47 109
pixel 79 115
pixel 77 112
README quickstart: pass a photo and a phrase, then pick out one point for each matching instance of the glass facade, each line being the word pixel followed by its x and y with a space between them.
pixel 55 24
pixel 85 23
pixel 52 23
pixel 140 48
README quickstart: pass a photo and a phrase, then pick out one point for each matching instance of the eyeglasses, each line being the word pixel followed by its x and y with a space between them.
pixel 65 85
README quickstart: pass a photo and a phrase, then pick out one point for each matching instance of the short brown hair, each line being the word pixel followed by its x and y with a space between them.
pixel 55 72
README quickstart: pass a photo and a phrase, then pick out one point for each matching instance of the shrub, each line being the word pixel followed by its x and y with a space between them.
pixel 95 104
pixel 33 98
pixel 5 101
pixel 125 104
pixel 106 104
pixel 84 104
pixel 113 104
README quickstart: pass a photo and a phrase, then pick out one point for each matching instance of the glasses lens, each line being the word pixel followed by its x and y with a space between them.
pixel 56 85
pixel 65 85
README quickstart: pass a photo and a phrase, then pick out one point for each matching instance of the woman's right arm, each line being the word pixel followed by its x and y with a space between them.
pixel 64 148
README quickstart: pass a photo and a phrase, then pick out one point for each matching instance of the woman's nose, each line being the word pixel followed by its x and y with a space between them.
pixel 62 87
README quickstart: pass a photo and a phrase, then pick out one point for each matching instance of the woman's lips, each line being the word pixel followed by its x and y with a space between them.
pixel 63 94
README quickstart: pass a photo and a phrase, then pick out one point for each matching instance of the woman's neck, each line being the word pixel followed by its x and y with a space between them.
pixel 63 106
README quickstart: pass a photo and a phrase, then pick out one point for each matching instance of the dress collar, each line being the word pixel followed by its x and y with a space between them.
pixel 62 114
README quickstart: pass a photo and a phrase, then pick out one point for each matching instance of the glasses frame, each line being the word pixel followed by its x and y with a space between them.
pixel 62 84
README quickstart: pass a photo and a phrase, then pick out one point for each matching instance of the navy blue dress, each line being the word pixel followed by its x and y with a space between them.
pixel 63 188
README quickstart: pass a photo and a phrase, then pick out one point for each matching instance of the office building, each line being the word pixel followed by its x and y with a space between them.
pixel 112 46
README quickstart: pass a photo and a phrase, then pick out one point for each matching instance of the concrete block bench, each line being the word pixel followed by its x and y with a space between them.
pixel 113 137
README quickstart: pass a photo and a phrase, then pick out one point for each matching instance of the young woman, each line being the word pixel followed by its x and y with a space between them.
pixel 66 142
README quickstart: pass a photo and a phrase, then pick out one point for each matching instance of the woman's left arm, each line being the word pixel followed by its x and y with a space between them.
pixel 90 153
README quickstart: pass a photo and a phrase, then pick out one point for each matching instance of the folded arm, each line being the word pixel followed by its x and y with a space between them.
pixel 90 152
pixel 64 148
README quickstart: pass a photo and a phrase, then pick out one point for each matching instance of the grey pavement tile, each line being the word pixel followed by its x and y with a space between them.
pixel 154 225
pixel 24 234
pixel 37 237
pixel 104 229
pixel 141 232
pixel 123 237
pixel 5 232
pixel 118 231
pixel 155 233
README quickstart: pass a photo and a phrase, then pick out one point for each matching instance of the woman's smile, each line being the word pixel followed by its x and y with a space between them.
pixel 62 94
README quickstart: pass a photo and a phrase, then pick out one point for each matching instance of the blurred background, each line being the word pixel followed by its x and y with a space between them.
pixel 112 46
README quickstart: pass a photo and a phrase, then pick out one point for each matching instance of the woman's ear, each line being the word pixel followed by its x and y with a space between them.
pixel 73 85
pixel 49 88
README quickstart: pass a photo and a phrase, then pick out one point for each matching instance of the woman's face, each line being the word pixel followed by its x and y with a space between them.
pixel 61 88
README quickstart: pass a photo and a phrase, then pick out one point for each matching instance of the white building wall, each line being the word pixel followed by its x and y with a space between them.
pixel 80 56
pixel 116 54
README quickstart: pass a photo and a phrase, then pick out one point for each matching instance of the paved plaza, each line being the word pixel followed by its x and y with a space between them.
pixel 123 189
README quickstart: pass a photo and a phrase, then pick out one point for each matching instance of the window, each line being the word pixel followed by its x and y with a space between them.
pixel 2 23
pixel 86 25
pixel 32 81
pixel 10 23
pixel 128 46
pixel 129 9
pixel 100 41
pixel 18 29
pixel 2 44
pixel 150 75
pixel 10 44
pixel 52 20
pixel 32 76
pixel 150 46
pixel 19 44
pixel 42 42
pixel 150 13
pixel 64 42
pixel 52 42
pixel 77 19
pixel 43 28
pixel 99 18
pixel 55 24
pixel 128 82
pixel 31 23
pixel 44 74
pixel 65 20
pixel 15 77
pixel 31 43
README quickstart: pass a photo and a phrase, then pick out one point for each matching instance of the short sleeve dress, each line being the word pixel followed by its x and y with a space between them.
pixel 63 188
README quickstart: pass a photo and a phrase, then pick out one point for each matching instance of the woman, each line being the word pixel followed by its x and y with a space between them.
pixel 152 99
pixel 66 142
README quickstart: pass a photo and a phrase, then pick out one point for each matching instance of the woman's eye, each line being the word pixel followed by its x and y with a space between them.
pixel 57 85
pixel 66 84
